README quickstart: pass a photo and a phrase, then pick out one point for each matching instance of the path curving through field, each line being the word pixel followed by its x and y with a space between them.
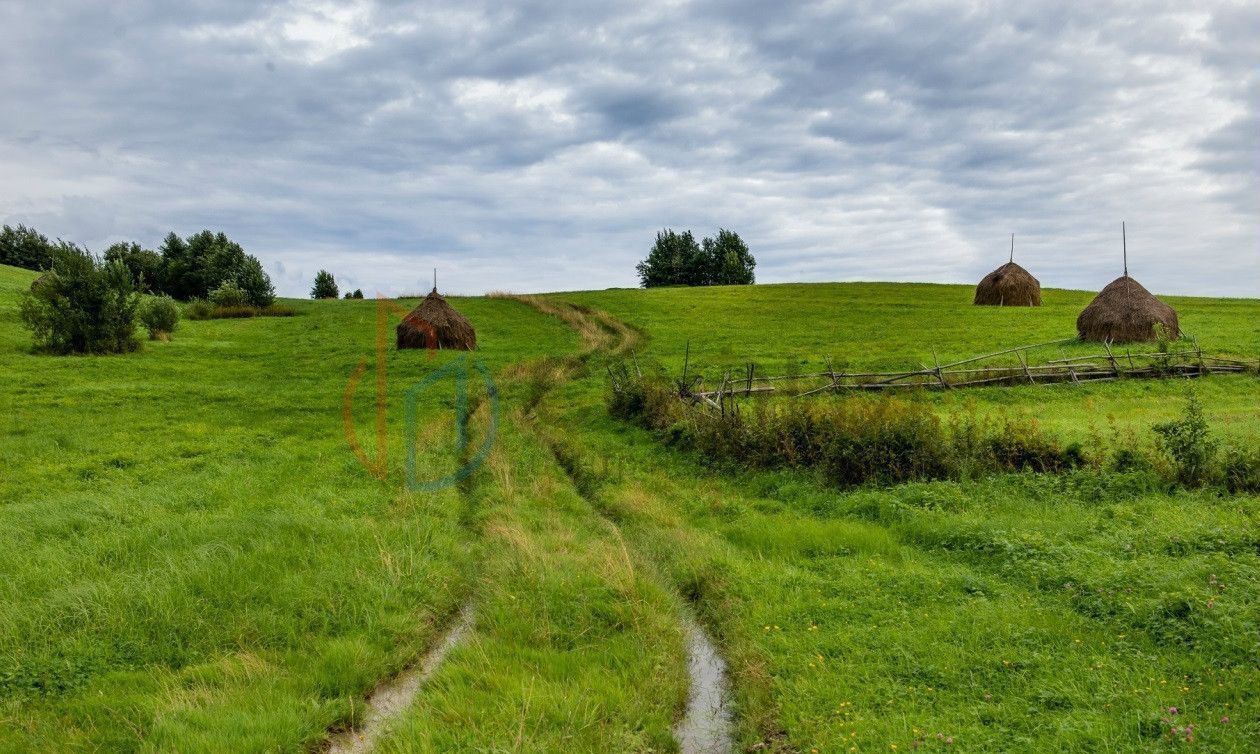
pixel 392 698
pixel 707 726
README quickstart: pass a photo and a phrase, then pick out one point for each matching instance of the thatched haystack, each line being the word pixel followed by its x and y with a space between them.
pixel 434 324
pixel 1125 311
pixel 1008 285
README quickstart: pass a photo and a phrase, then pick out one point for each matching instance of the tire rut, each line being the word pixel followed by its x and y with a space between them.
pixel 395 696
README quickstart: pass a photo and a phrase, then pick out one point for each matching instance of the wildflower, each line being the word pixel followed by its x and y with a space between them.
pixel 949 739
pixel 1225 720
pixel 1172 710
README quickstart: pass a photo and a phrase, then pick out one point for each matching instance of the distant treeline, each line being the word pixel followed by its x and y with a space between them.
pixel 183 268
pixel 676 259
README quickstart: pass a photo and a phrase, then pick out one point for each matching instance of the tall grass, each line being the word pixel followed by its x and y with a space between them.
pixel 890 440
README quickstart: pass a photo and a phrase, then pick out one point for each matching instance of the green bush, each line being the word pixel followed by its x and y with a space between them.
pixel 82 306
pixel 229 296
pixel 198 309
pixel 1189 444
pixel 160 316
pixel 1022 446
pixel 1241 470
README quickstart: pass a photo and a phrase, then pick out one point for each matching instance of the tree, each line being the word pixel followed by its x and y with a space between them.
pixel 25 247
pixel 224 258
pixel 676 259
pixel 254 281
pixel 358 293
pixel 144 265
pixel 673 260
pixel 204 262
pixel 182 277
pixel 325 285
pixel 728 259
pixel 82 305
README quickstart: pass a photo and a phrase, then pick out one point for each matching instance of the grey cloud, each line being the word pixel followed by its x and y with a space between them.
pixel 538 145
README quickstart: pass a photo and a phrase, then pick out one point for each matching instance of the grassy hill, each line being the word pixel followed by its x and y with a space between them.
pixel 194 559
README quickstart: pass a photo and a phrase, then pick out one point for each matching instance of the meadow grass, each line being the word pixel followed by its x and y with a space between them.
pixel 1015 613
pixel 876 325
pixel 796 328
pixel 1018 612
pixel 576 646
pixel 194 560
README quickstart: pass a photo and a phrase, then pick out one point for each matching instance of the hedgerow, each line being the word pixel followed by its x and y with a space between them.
pixel 889 440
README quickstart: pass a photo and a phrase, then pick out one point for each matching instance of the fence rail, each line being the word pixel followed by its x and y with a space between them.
pixel 970 372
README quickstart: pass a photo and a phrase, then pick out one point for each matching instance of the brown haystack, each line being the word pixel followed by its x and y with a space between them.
pixel 434 324
pixel 1008 285
pixel 1124 311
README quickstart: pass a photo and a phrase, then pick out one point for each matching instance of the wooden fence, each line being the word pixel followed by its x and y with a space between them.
pixel 972 372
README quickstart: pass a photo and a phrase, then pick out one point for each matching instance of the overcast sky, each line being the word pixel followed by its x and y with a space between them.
pixel 539 145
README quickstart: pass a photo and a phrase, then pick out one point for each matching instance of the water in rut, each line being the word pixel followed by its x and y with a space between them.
pixel 707 726
pixel 392 698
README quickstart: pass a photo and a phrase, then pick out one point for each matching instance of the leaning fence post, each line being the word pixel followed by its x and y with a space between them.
pixel 682 383
pixel 1115 368
pixel 1024 363
pixel 937 362
pixel 831 374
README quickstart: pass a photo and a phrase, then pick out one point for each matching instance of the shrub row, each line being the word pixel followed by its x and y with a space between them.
pixel 889 440
pixel 202 310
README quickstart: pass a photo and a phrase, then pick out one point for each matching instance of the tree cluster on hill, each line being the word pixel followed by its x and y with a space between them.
pixel 185 269
pixel 198 266
pixel 25 247
pixel 677 259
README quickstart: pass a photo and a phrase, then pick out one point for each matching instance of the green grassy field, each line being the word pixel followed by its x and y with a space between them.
pixel 194 559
